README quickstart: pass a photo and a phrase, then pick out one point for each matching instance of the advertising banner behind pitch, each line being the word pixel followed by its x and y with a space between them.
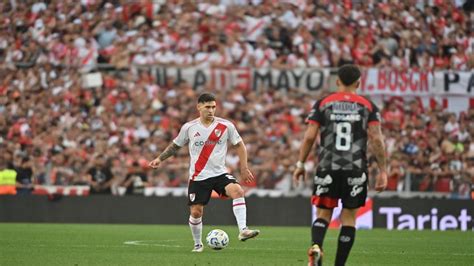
pixel 419 214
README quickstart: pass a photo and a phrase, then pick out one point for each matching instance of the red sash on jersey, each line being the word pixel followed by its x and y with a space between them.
pixel 304 49
pixel 244 53
pixel 257 26
pixel 266 56
pixel 88 57
pixel 206 151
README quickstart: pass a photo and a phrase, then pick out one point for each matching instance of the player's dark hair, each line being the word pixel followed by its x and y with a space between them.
pixel 348 74
pixel 206 97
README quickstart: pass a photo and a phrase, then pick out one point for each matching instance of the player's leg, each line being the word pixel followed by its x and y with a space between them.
pixel 320 225
pixel 228 186
pixel 195 223
pixel 199 193
pixel 325 197
pixel 236 193
pixel 354 196
pixel 318 233
pixel 346 236
pixel 239 207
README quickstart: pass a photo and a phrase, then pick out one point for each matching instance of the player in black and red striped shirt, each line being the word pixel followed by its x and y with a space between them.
pixel 346 122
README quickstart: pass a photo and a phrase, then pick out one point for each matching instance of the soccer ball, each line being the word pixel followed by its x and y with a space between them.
pixel 217 239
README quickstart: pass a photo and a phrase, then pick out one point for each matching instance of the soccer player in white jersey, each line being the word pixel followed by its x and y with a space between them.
pixel 207 138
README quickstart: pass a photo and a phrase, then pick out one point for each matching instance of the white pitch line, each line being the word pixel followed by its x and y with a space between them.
pixel 143 243
pixel 139 243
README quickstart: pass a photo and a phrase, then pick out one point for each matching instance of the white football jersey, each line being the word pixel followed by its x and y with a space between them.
pixel 207 146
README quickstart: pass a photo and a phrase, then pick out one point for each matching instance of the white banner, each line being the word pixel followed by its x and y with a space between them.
pixel 396 83
pixel 454 83
pixel 310 79
pixel 455 89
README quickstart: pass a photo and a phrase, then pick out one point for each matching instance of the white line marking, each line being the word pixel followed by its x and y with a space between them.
pixel 142 243
pixel 156 243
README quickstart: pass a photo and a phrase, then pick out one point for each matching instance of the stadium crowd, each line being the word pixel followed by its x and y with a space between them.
pixel 54 131
pixel 436 34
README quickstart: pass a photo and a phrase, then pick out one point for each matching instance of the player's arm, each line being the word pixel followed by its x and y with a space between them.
pixel 308 141
pixel 376 142
pixel 171 150
pixel 173 147
pixel 243 157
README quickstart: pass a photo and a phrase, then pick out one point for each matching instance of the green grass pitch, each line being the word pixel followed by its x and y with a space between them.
pixel 86 244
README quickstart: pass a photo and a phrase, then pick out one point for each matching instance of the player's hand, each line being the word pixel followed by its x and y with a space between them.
pixel 247 175
pixel 381 181
pixel 297 174
pixel 155 163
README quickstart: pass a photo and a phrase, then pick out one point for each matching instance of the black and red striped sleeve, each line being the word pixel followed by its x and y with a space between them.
pixel 374 116
pixel 315 116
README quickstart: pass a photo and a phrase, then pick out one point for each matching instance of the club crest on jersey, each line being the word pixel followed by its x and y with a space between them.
pixel 218 132
pixel 192 197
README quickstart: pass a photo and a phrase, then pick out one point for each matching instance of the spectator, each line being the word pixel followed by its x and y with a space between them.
pixel 46 112
pixel 452 126
pixel 136 180
pixel 24 181
pixel 7 177
pixel 395 175
pixel 100 176
pixel 443 179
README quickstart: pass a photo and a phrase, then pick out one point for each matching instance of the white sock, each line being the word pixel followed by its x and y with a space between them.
pixel 240 212
pixel 196 229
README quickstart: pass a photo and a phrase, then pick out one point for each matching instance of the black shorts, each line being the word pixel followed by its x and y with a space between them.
pixel 349 186
pixel 199 192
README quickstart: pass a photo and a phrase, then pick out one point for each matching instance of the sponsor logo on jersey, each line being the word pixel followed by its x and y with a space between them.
pixel 357 181
pixel 323 181
pixel 345 107
pixel 197 134
pixel 356 190
pixel 320 190
pixel 345 117
pixel 207 142
pixel 192 197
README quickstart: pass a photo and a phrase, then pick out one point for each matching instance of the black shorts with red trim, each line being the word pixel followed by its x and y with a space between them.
pixel 199 192
pixel 349 186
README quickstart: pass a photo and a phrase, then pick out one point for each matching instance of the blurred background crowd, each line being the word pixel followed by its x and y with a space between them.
pixel 55 131
pixel 428 34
